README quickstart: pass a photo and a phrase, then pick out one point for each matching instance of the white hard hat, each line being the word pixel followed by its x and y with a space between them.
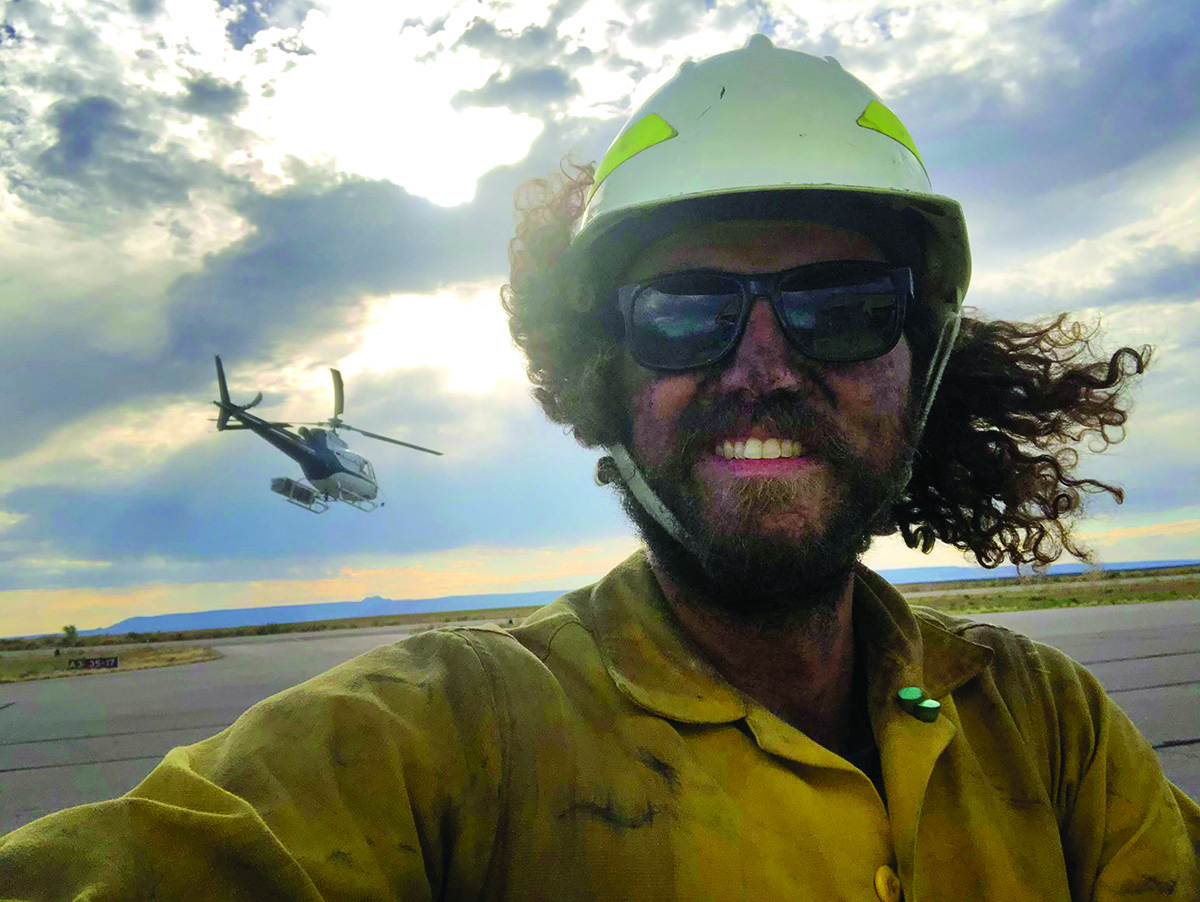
pixel 768 133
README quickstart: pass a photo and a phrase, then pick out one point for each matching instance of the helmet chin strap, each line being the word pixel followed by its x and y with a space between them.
pixel 937 364
pixel 646 496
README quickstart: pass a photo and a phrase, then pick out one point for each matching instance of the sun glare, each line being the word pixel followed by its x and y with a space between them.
pixel 459 330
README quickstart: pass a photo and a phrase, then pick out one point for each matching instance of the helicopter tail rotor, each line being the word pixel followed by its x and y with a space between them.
pixel 225 403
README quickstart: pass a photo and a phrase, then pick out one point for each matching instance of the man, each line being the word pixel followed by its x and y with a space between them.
pixel 742 710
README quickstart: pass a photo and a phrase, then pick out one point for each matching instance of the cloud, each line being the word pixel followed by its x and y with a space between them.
pixel 311 256
pixel 99 162
pixel 81 126
pixel 658 23
pixel 309 259
pixel 250 17
pixel 524 90
pixel 1150 254
pixel 1190 528
pixel 533 41
pixel 1040 103
pixel 146 10
pixel 132 258
pixel 110 161
pixel 208 96
pixel 88 123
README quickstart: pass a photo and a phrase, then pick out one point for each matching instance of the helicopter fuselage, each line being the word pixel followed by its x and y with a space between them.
pixel 326 460
pixel 344 470
pixel 330 467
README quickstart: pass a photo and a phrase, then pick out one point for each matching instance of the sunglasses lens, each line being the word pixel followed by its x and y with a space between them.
pixel 842 314
pixel 686 320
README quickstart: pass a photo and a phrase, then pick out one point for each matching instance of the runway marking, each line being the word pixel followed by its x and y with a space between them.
pixel 1165 654
pixel 1155 686
pixel 1175 743
pixel 199 726
pixel 12 770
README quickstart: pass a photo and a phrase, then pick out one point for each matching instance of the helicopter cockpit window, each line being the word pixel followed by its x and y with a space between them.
pixel 369 470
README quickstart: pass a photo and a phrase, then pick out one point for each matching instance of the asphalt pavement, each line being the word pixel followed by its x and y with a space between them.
pixel 70 741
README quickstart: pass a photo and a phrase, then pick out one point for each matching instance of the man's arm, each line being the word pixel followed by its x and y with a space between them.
pixel 368 781
pixel 1127 832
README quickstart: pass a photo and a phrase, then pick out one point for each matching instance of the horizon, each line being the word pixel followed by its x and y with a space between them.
pixel 929 575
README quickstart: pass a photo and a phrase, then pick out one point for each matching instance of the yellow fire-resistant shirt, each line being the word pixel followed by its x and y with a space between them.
pixel 587 754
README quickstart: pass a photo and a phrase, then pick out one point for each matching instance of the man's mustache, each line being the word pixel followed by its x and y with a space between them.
pixel 708 420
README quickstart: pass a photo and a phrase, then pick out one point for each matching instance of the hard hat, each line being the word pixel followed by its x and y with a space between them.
pixel 768 133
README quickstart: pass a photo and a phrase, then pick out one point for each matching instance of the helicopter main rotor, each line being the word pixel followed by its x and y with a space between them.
pixel 336 422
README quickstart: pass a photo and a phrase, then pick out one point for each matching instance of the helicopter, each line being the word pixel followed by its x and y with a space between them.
pixel 332 472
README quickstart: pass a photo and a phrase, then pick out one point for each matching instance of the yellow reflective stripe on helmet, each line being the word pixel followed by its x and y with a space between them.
pixel 878 117
pixel 651 129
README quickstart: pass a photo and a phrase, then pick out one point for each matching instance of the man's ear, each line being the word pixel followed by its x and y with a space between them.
pixel 606 471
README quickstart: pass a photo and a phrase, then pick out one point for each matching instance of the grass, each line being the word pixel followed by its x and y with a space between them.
pixel 20 668
pixel 968 597
pixel 504 616
pixel 1066 594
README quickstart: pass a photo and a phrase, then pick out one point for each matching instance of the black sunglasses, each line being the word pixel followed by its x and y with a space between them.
pixel 834 312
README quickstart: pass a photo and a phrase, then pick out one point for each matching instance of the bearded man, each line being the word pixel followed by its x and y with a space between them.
pixel 753 305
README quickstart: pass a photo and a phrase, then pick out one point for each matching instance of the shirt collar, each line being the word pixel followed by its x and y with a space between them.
pixel 653 664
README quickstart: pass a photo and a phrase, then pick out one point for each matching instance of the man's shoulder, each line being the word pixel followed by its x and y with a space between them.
pixel 1022 670
pixel 1008 646
pixel 537 631
pixel 1000 639
pixel 942 630
pixel 524 644
pixel 468 653
pixel 481 654
pixel 967 627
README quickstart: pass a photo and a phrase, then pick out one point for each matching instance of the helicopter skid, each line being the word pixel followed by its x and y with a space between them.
pixel 341 487
pixel 363 504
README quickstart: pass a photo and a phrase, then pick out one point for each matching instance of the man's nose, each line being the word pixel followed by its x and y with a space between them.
pixel 764 360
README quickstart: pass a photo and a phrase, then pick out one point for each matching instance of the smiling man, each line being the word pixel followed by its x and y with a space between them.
pixel 753 305
pixel 750 305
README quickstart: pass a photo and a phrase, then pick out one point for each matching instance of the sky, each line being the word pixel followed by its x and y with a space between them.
pixel 297 185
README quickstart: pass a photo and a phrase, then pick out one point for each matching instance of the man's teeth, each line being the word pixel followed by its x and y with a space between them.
pixel 759 449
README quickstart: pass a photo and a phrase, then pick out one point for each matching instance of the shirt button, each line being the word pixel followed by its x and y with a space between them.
pixel 927 710
pixel 909 697
pixel 887 885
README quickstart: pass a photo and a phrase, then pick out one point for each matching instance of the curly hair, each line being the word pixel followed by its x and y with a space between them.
pixel 994 471
pixel 570 351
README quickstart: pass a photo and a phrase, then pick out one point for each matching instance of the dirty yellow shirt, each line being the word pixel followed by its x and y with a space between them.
pixel 587 754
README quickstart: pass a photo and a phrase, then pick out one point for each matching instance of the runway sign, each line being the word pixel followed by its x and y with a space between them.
pixel 91 663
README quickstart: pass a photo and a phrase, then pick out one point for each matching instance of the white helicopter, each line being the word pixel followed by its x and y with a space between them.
pixel 333 472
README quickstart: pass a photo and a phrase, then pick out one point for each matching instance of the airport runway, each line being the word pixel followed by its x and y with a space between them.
pixel 69 741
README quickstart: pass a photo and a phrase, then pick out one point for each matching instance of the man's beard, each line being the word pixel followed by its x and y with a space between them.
pixel 771 580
